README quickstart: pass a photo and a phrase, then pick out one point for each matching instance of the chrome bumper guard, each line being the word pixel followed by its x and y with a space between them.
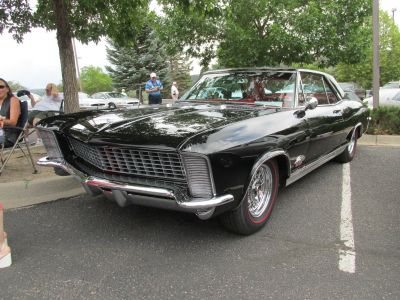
pixel 100 183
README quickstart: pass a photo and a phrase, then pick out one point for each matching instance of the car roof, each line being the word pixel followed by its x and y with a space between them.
pixel 258 69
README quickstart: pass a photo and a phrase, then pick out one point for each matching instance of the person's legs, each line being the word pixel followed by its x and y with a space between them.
pixel 32 116
pixel 151 100
pixel 42 115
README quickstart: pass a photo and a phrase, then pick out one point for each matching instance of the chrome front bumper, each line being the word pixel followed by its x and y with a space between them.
pixel 137 194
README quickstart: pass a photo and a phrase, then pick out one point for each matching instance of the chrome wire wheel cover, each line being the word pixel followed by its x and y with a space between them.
pixel 352 143
pixel 260 191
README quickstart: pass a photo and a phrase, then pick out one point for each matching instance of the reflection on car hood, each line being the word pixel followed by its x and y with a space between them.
pixel 161 127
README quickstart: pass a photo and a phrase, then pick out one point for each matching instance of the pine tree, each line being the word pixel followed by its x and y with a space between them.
pixel 180 72
pixel 131 66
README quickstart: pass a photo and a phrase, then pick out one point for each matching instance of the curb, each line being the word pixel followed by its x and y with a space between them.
pixel 380 140
pixel 24 193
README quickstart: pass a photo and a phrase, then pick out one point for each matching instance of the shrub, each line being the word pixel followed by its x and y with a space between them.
pixel 385 120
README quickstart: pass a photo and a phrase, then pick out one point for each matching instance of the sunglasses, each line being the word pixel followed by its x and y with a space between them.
pixel 2 86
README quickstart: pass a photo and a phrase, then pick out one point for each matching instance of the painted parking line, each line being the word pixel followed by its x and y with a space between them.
pixel 347 255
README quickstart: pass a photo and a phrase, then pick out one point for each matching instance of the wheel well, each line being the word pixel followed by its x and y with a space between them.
pixel 283 165
pixel 359 132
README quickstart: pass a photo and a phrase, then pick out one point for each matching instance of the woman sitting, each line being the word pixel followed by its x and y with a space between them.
pixel 47 107
pixel 10 110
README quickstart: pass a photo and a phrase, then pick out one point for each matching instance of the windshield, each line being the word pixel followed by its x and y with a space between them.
pixel 275 88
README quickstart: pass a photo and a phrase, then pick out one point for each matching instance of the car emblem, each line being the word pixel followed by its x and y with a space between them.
pixel 299 160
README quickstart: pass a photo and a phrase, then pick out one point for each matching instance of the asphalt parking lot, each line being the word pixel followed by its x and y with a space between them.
pixel 89 248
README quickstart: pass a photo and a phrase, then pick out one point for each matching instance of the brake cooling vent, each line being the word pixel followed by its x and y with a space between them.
pixel 198 175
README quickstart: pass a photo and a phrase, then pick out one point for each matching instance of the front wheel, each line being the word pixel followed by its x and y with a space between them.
pixel 348 154
pixel 256 207
pixel 112 105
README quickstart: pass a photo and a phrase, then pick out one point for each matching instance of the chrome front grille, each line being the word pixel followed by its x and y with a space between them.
pixel 167 165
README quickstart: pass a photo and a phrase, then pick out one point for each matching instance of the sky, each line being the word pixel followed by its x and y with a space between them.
pixel 36 62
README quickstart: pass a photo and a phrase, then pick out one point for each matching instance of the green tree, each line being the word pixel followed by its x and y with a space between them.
pixel 85 20
pixel 389 52
pixel 268 32
pixel 95 80
pixel 15 86
pixel 132 65
pixel 180 72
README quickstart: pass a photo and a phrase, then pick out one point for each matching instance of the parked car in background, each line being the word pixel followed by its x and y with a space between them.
pixel 353 87
pixel 81 97
pixel 391 85
pixel 386 97
pixel 114 100
pixel 352 96
pixel 223 149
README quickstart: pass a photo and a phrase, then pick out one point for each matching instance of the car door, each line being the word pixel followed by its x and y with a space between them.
pixel 326 120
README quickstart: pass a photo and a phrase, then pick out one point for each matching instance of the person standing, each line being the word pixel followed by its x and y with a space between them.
pixel 153 88
pixel 174 91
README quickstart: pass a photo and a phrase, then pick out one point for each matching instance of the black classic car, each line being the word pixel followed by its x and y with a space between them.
pixel 223 149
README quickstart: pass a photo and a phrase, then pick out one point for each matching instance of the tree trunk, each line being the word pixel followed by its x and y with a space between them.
pixel 67 58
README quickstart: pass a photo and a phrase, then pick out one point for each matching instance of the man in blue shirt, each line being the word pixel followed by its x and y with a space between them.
pixel 153 88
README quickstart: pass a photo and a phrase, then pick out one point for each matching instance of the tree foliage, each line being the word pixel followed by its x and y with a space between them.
pixel 15 86
pixel 85 20
pixel 389 52
pixel 268 32
pixel 131 65
pixel 179 66
pixel 94 80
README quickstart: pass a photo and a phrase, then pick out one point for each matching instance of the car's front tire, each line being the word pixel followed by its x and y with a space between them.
pixel 348 154
pixel 256 207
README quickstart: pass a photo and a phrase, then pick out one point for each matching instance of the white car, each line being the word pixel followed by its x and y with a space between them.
pixel 392 85
pixel 386 97
pixel 112 100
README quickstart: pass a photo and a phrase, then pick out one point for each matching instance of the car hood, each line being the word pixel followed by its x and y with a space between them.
pixel 155 127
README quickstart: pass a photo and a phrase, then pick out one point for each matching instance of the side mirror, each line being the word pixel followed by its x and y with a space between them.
pixel 311 103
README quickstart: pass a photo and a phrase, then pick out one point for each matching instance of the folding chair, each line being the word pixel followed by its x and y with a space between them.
pixel 21 141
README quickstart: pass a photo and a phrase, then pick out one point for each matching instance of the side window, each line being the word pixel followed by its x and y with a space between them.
pixel 330 93
pixel 313 85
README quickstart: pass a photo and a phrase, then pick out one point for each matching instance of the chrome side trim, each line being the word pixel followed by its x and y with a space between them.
pixel 100 183
pixel 296 175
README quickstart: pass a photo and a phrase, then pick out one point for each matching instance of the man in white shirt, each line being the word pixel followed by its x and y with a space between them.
pixel 174 91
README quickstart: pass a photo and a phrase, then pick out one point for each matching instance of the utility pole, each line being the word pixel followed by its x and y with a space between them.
pixel 393 11
pixel 376 71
